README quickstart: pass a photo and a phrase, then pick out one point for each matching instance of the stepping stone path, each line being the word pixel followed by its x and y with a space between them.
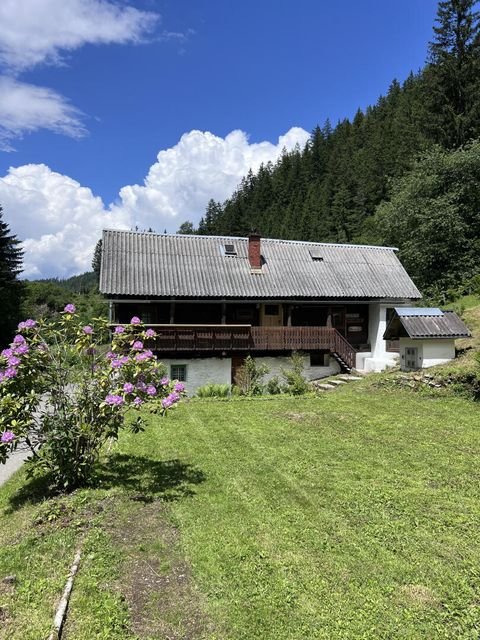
pixel 328 385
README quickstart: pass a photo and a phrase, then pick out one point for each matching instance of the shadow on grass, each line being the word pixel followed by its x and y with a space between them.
pixel 167 480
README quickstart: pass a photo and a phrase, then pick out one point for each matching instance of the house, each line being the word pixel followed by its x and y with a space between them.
pixel 426 336
pixel 214 300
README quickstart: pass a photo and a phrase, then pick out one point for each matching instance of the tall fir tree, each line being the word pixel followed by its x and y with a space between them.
pixel 11 288
pixel 452 79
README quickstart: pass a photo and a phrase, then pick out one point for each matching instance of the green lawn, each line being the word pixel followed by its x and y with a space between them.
pixel 351 515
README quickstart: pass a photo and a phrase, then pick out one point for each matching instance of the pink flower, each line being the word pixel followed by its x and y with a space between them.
pixel 7 436
pixel 179 386
pixel 22 349
pixel 13 361
pixel 138 401
pixel 150 333
pixel 116 363
pixel 18 339
pixel 164 381
pixel 69 308
pixel 119 329
pixel 114 400
pixel 151 390
pixel 128 387
pixel 88 330
pixel 145 355
pixel 137 345
pixel 26 324
pixel 135 320
pixel 7 353
pixel 10 372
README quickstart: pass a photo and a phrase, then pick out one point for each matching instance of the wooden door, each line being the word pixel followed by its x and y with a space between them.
pixel 272 315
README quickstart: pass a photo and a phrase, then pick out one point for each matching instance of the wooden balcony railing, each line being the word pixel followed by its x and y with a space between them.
pixel 218 338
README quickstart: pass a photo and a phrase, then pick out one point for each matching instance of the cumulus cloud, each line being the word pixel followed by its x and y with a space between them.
pixel 59 220
pixel 25 108
pixel 39 31
pixel 201 166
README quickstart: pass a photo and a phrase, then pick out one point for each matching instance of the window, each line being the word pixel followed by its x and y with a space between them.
pixel 316 255
pixel 178 372
pixel 230 250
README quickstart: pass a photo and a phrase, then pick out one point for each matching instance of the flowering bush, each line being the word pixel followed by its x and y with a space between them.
pixel 63 397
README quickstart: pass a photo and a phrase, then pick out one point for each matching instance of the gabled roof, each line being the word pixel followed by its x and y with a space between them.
pixel 425 323
pixel 153 265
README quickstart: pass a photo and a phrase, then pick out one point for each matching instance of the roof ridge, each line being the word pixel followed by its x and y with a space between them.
pixel 243 238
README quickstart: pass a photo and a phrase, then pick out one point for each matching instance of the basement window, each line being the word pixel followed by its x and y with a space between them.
pixel 178 372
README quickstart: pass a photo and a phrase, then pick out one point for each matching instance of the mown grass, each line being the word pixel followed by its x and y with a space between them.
pixel 351 515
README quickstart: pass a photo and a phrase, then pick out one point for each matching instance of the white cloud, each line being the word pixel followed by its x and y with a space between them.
pixel 59 221
pixel 201 166
pixel 25 108
pixel 36 31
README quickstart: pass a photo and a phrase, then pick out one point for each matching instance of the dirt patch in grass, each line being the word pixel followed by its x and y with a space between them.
pixel 156 583
pixel 419 595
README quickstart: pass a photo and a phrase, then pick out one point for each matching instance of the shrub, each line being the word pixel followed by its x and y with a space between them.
pixel 212 390
pixel 296 384
pixel 274 386
pixel 249 377
pixel 63 398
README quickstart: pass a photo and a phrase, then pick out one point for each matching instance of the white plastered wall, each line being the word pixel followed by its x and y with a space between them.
pixel 276 364
pixel 430 351
pixel 201 371
pixel 379 358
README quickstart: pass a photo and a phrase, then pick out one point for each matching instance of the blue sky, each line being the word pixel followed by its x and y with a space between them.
pixel 122 113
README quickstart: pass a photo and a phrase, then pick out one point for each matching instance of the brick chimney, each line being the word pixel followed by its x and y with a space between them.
pixel 254 251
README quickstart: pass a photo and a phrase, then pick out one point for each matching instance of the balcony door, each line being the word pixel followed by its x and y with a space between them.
pixel 272 315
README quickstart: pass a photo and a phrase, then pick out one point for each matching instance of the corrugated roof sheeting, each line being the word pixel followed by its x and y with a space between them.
pixel 147 264
pixel 447 325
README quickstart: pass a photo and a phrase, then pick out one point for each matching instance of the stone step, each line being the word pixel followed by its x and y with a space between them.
pixel 337 383
pixel 350 378
pixel 325 386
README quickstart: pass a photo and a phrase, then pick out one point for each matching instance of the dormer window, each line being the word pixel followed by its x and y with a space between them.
pixel 316 255
pixel 230 250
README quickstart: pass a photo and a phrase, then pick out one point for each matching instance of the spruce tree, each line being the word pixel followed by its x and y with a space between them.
pixel 10 287
pixel 452 80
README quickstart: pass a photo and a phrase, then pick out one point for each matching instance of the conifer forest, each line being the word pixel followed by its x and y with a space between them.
pixel 404 172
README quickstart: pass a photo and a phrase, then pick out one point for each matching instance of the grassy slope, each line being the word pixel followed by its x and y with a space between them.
pixel 354 515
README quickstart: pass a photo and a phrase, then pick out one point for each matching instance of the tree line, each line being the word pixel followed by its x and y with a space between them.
pixel 362 181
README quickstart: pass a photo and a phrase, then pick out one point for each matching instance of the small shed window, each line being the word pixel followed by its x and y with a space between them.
pixel 230 250
pixel 178 372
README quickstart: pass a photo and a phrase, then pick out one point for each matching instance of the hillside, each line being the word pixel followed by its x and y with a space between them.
pixel 405 146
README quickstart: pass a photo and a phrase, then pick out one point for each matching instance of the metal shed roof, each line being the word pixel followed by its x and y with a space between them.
pixel 154 265
pixel 425 323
